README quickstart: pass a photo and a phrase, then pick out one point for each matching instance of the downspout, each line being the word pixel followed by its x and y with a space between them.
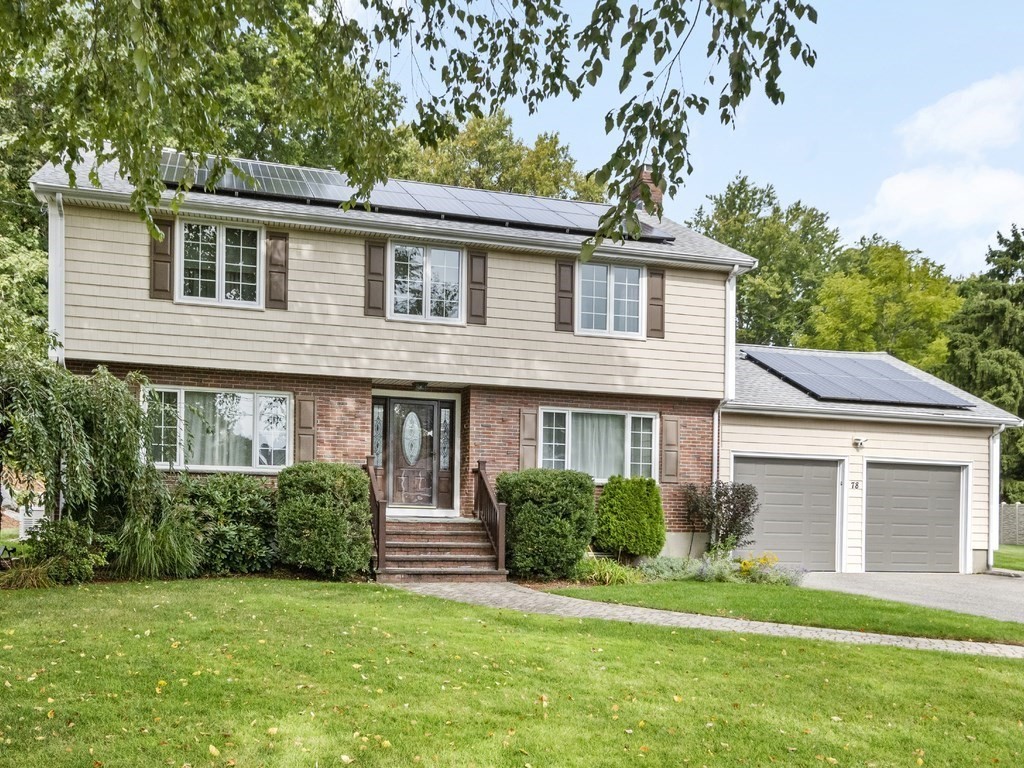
pixel 730 368
pixel 55 274
pixel 994 472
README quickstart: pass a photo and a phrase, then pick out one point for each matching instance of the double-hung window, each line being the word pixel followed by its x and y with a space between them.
pixel 426 283
pixel 220 264
pixel 610 300
pixel 600 443
pixel 220 429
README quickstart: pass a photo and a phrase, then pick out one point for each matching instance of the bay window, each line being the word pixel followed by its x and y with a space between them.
pixel 600 443
pixel 220 429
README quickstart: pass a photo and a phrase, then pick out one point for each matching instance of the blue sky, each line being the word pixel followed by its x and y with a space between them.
pixel 911 124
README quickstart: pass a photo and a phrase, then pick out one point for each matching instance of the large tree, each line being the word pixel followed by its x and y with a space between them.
pixel 795 247
pixel 886 298
pixel 125 77
pixel 986 345
pixel 486 154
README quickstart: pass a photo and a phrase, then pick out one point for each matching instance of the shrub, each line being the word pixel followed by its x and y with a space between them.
pixel 630 520
pixel 668 568
pixel 605 571
pixel 724 510
pixel 67 550
pixel 237 521
pixel 550 520
pixel 323 518
pixel 26 576
pixel 765 569
pixel 716 565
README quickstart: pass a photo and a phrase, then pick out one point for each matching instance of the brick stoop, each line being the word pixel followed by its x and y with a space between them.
pixel 451 549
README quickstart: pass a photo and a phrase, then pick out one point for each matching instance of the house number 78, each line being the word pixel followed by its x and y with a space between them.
pixel 855 485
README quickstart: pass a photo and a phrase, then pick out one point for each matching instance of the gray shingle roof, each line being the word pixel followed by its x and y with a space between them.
pixel 687 247
pixel 759 389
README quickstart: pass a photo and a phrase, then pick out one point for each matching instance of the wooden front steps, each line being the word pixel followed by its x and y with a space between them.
pixel 438 549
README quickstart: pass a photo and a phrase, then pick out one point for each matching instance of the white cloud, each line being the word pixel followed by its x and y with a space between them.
pixel 950 212
pixel 947 199
pixel 988 114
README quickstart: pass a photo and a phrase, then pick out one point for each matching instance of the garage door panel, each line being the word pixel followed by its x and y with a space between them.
pixel 913 517
pixel 797 521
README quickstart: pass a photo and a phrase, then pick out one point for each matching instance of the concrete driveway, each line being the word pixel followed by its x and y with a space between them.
pixel 998 597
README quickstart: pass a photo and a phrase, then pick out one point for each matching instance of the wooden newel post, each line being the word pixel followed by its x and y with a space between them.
pixel 500 545
pixel 382 522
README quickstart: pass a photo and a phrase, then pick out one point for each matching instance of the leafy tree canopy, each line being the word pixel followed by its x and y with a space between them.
pixel 885 298
pixel 986 345
pixel 126 77
pixel 795 248
pixel 486 154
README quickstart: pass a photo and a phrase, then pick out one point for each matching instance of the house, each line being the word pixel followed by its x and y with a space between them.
pixel 437 329
pixel 440 336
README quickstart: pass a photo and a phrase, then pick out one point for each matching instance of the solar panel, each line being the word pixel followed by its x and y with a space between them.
pixel 853 379
pixel 261 179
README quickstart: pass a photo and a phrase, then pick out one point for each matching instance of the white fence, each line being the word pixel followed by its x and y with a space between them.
pixel 1011 524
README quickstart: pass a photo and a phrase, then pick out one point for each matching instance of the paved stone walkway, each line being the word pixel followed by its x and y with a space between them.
pixel 517 598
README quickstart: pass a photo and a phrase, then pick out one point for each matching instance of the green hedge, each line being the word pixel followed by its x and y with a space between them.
pixel 549 521
pixel 630 520
pixel 323 518
pixel 236 519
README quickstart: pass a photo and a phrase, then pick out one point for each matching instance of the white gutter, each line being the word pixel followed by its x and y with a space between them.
pixel 890 417
pixel 248 208
pixel 55 276
pixel 994 474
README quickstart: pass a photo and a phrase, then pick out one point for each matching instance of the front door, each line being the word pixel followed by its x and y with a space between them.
pixel 413 439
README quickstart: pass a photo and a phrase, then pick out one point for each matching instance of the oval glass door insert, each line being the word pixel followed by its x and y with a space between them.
pixel 412 438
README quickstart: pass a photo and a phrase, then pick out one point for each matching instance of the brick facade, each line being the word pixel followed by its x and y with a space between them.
pixel 343 406
pixel 491 423
pixel 489 430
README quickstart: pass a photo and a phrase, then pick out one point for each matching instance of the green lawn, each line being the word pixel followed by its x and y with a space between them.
pixel 1009 556
pixel 813 607
pixel 254 672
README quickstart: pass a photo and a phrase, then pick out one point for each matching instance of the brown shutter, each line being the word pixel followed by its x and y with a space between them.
pixel 161 262
pixel 305 429
pixel 527 439
pixel 277 270
pixel 564 289
pixel 477 314
pixel 376 295
pixel 670 449
pixel 655 303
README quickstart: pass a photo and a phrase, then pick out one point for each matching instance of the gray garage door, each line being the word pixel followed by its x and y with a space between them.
pixel 913 518
pixel 797 520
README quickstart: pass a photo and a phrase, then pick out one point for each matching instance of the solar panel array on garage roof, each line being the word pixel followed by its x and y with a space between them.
pixel 415 198
pixel 859 379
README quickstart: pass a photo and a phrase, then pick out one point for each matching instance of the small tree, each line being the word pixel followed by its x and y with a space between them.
pixel 630 519
pixel 725 510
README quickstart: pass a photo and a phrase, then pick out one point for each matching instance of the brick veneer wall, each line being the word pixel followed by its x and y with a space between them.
pixel 491 422
pixel 343 406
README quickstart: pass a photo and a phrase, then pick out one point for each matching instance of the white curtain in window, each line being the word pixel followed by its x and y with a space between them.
pixel 218 428
pixel 598 444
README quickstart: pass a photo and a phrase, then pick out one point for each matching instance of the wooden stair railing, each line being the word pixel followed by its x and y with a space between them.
pixel 378 516
pixel 490 512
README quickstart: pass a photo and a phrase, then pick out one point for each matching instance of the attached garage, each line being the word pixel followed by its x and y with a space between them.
pixel 799 506
pixel 913 517
pixel 857 485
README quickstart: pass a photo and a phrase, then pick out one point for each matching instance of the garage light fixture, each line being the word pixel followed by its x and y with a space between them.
pixel 858 442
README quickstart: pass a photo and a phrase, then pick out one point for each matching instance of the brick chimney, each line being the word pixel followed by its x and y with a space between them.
pixel 646 178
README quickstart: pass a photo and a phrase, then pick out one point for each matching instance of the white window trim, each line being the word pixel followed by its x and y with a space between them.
pixel 578 301
pixel 425 318
pixel 255 468
pixel 629 416
pixel 219 301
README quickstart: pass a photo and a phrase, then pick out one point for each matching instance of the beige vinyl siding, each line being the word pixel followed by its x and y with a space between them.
pixel 110 317
pixel 825 438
